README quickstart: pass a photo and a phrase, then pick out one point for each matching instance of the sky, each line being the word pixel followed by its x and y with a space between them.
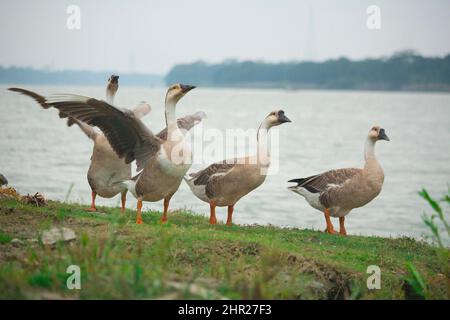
pixel 152 36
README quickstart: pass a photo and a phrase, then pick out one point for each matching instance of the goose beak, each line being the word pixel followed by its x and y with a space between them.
pixel 284 119
pixel 186 88
pixel 383 136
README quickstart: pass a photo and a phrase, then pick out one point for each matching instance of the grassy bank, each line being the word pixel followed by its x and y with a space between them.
pixel 188 258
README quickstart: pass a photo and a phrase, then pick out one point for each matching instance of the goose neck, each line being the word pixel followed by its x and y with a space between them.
pixel 263 155
pixel 369 149
pixel 110 94
pixel 171 121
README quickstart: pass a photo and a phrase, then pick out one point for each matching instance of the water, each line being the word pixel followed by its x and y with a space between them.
pixel 39 153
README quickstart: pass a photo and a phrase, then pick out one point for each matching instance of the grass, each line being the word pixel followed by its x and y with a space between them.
pixel 188 258
pixel 4 238
pixel 440 230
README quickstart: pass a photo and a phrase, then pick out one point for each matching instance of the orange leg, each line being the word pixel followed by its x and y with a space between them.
pixel 330 228
pixel 341 226
pixel 138 212
pixel 230 215
pixel 92 208
pixel 166 207
pixel 124 200
pixel 212 212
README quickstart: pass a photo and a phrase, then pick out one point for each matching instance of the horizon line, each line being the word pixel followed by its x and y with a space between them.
pixel 224 61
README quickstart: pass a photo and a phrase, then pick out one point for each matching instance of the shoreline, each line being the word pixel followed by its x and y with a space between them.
pixel 188 258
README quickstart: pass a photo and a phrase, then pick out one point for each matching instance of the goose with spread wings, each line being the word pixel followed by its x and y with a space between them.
pixel 337 192
pixel 106 167
pixel 162 163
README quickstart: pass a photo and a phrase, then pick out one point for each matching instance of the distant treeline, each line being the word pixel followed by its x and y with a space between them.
pixel 15 75
pixel 402 71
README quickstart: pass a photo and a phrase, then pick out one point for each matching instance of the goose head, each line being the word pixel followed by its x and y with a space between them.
pixel 114 78
pixel 377 133
pixel 275 118
pixel 176 92
pixel 113 85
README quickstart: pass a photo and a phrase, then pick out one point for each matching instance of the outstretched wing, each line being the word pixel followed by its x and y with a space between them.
pixel 88 130
pixel 185 123
pixel 142 109
pixel 38 98
pixel 127 135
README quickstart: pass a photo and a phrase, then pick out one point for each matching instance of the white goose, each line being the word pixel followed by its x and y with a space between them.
pixel 337 192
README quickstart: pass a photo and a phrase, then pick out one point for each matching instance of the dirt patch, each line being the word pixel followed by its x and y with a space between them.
pixel 335 283
pixel 327 281
pixel 19 223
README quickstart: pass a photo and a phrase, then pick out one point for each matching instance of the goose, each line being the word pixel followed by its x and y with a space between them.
pixel 225 183
pixel 161 163
pixel 106 167
pixel 337 192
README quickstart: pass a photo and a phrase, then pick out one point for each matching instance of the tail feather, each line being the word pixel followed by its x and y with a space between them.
pixel 299 181
pixel 198 190
pixel 130 185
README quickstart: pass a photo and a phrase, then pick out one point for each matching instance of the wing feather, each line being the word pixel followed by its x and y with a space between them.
pixel 332 178
pixel 185 123
pixel 126 133
pixel 142 109
pixel 202 177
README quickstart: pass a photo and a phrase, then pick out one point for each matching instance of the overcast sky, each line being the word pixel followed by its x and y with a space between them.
pixel 151 36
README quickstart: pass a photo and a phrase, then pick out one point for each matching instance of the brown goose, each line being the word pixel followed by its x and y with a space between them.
pixel 106 167
pixel 337 192
pixel 163 162
pixel 224 183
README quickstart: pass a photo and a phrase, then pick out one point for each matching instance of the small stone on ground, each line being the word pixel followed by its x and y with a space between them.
pixel 52 236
